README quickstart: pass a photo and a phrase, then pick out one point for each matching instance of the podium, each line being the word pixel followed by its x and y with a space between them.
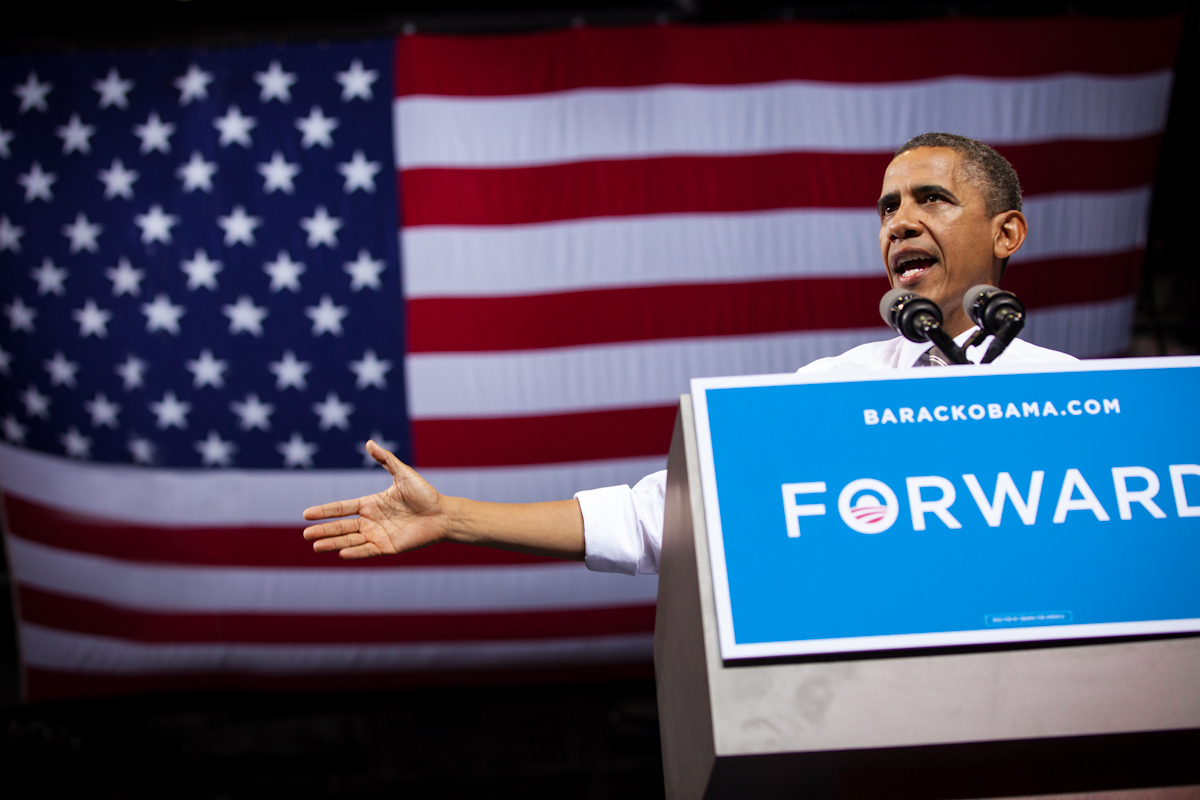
pixel 757 717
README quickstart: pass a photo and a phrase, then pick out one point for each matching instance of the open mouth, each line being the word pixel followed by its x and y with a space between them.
pixel 911 268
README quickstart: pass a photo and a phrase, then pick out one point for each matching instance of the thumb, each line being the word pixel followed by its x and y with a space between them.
pixel 386 458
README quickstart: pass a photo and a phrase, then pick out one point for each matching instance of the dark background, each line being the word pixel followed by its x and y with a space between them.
pixel 570 735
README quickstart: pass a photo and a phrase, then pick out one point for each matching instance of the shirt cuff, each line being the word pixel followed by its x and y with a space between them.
pixel 611 542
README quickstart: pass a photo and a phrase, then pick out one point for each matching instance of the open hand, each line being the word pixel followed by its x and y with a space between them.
pixel 407 515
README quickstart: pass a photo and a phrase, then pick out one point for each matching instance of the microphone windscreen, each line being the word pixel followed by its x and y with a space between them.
pixel 887 305
pixel 972 297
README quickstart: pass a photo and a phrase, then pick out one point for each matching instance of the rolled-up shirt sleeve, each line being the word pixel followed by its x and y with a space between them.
pixel 622 527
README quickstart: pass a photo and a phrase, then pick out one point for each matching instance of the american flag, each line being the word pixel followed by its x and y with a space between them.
pixel 205 316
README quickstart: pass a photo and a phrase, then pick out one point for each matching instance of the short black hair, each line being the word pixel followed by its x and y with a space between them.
pixel 997 178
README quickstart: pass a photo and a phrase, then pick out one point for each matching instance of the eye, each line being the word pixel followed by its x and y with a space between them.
pixel 934 197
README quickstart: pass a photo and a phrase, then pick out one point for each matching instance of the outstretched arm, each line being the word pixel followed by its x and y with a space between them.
pixel 410 514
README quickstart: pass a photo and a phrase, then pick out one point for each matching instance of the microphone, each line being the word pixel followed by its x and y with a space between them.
pixel 919 319
pixel 997 313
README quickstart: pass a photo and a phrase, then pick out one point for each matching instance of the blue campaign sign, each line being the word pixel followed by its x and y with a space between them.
pixel 956 506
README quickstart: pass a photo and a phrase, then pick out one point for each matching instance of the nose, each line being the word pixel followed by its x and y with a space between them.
pixel 904 224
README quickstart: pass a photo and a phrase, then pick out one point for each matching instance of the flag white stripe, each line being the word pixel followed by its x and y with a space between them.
pixel 667 120
pixel 629 374
pixel 65 651
pixel 39 478
pixel 165 588
pixel 178 497
pixel 649 373
pixel 1085 330
pixel 540 482
pixel 494 260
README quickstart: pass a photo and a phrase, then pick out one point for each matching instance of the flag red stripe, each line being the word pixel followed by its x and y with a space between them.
pixel 1085 279
pixel 713 184
pixel 220 546
pixel 621 433
pixel 723 55
pixel 48 684
pixel 100 619
pixel 626 314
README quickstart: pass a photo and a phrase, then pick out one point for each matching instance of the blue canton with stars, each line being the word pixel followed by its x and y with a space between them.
pixel 198 257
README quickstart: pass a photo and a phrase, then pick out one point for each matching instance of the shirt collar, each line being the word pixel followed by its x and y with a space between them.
pixel 911 351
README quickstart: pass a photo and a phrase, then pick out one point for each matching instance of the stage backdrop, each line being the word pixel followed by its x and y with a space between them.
pixel 206 311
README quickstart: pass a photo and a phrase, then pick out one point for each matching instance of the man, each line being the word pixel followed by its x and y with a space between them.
pixel 949 219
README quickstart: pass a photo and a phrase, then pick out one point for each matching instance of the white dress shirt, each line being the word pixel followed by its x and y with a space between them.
pixel 622 527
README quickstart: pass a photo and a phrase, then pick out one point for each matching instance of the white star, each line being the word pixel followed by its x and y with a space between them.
pixel 113 90
pixel 317 128
pixel 75 136
pixel 20 316
pixel 359 173
pixel 326 317
pixel 161 315
pixel 193 85
pixel 215 451
pixel 333 413
pixel 49 278
pixel 239 227
pixel 14 431
pixel 118 181
pixel 364 272
pixel 289 371
pixel 171 412
pixel 253 413
pixel 92 320
pixel 201 271
pixel 370 371
pixel 82 234
pixel 297 452
pixel 142 450
pixel 37 183
pixel 5 361
pixel 154 134
pixel 104 411
pixel 276 84
pixel 207 371
pixel 10 235
pixel 245 316
pixel 235 127
pixel 156 226
pixel 76 444
pixel 132 371
pixel 6 138
pixel 32 93
pixel 377 437
pixel 356 82
pixel 321 228
pixel 278 174
pixel 197 173
pixel 36 403
pixel 125 279
pixel 62 372
pixel 285 273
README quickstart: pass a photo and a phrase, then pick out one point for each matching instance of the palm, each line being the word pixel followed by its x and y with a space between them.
pixel 405 516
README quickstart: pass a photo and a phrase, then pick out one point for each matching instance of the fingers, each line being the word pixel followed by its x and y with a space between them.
pixel 339 508
pixel 338 543
pixel 325 530
pixel 362 551
pixel 350 547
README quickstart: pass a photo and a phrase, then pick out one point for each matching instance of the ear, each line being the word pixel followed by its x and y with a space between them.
pixel 1008 233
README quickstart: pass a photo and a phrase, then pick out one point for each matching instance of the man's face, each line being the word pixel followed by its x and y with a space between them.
pixel 935 235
